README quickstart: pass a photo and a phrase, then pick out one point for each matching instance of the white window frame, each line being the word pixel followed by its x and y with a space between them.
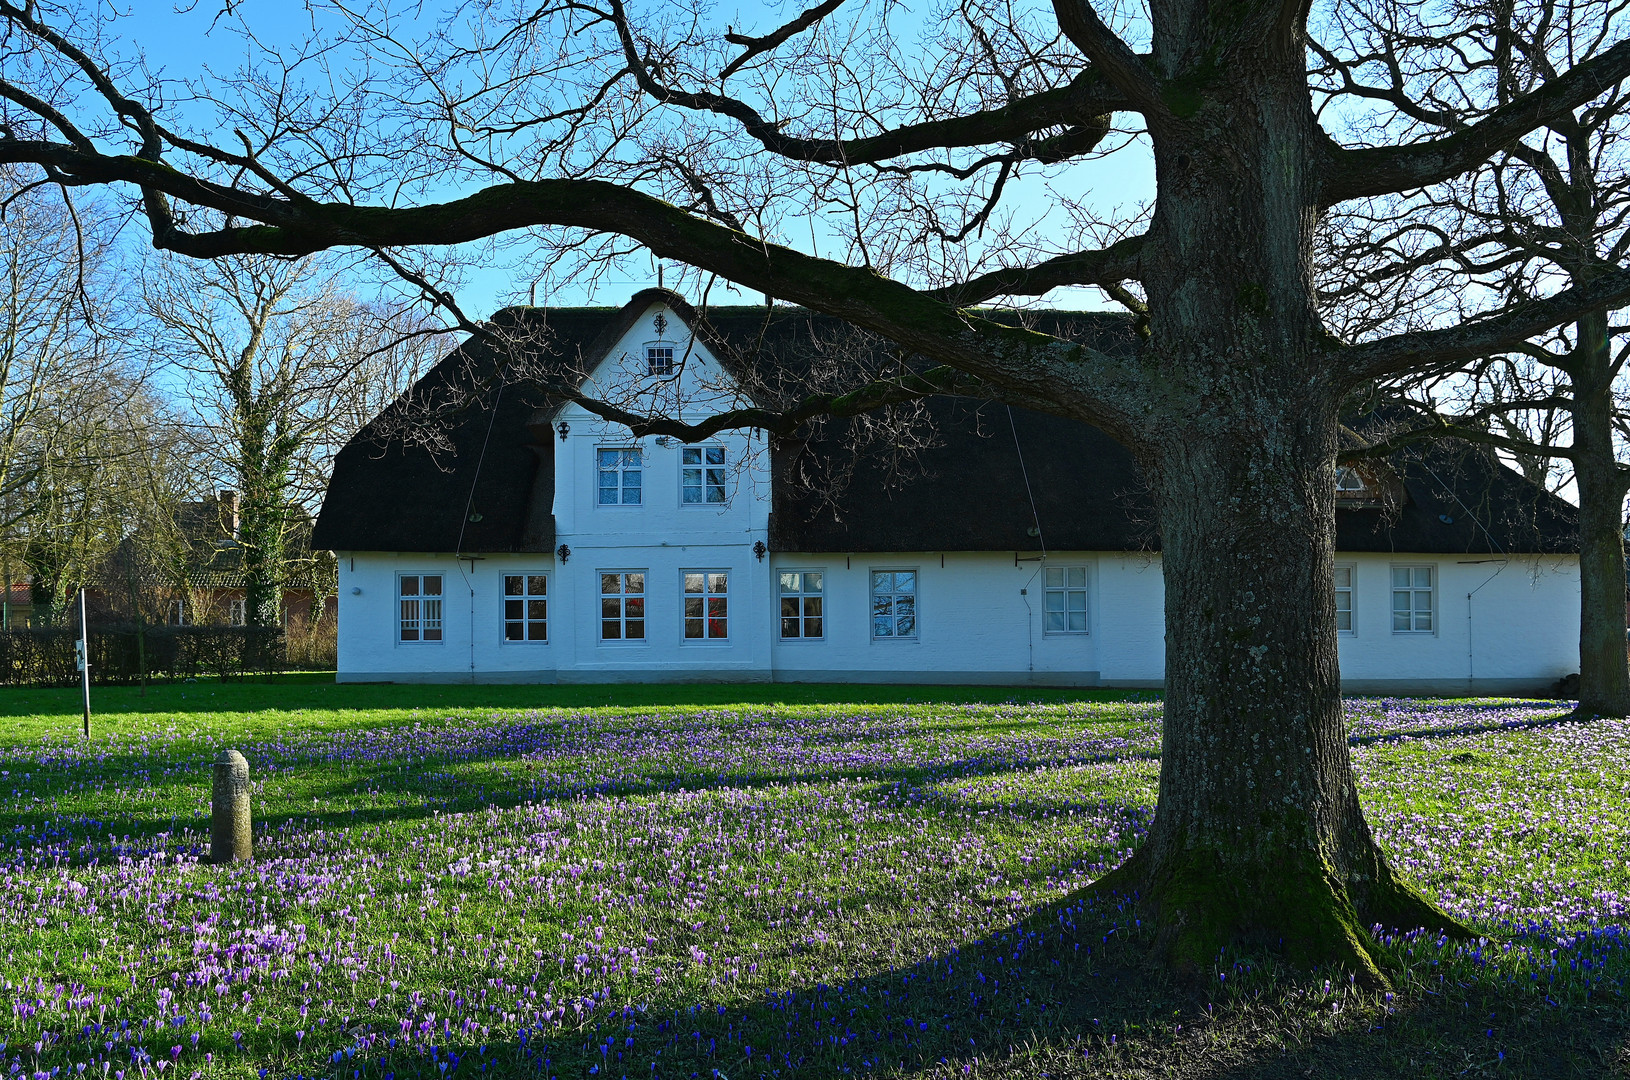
pixel 706 471
pixel 1351 591
pixel 1431 591
pixel 237 611
pixel 895 593
pixel 621 472
pixel 690 600
pixel 176 613
pixel 658 347
pixel 422 618
pixel 621 597
pixel 1064 592
pixel 524 601
pixel 800 597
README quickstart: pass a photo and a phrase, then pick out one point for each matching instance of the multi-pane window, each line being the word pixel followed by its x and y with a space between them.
pixel 1349 484
pixel 622 475
pixel 701 474
pixel 1064 600
pixel 1344 598
pixel 622 605
pixel 801 615
pixel 420 604
pixel 659 359
pixel 526 607
pixel 707 605
pixel 894 603
pixel 237 611
pixel 1412 588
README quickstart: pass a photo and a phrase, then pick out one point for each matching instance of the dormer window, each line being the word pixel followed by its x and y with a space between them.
pixel 659 360
pixel 1349 484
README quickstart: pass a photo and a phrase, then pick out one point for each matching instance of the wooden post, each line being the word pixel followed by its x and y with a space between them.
pixel 85 659
pixel 229 837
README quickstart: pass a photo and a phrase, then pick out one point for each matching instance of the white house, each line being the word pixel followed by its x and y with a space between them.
pixel 540 543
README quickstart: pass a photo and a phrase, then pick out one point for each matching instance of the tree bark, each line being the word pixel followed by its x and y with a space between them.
pixel 1604 673
pixel 1258 837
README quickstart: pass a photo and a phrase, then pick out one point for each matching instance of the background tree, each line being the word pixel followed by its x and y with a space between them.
pixel 69 391
pixel 278 362
pixel 597 131
pixel 1548 211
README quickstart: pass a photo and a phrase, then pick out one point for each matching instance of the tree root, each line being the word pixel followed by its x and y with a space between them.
pixel 1298 909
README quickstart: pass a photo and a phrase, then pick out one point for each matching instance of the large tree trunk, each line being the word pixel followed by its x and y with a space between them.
pixel 1604 674
pixel 1258 836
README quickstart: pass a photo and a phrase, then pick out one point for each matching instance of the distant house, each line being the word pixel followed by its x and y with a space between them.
pixel 195 576
pixel 540 543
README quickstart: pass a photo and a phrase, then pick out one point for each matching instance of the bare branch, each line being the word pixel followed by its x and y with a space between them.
pixel 757 46
pixel 1122 67
pixel 1426 350
pixel 1107 267
pixel 1352 174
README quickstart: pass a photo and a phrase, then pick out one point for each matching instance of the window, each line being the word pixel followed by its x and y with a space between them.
pixel 707 602
pixel 420 597
pixel 801 615
pixel 1412 599
pixel 701 474
pixel 1344 598
pixel 894 604
pixel 177 614
pixel 236 611
pixel 1349 485
pixel 659 359
pixel 526 607
pixel 621 475
pixel 622 605
pixel 1064 600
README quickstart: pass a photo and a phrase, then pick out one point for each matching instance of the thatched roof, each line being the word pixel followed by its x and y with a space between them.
pixel 489 486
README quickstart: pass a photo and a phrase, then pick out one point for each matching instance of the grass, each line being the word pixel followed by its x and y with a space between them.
pixel 753 881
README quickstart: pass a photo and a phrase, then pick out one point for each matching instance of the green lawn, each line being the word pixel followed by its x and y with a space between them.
pixel 753 880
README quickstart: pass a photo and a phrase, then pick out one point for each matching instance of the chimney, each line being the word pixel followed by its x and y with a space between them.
pixel 227 506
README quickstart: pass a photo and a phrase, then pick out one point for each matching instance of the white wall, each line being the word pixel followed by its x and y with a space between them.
pixel 974 625
pixel 369 649
pixel 1501 625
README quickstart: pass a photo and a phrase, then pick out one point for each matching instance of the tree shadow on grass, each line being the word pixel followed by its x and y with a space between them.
pixel 416 800
pixel 1062 992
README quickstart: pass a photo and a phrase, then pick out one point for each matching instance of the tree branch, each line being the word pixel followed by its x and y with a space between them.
pixel 1087 95
pixel 1423 350
pixel 1122 67
pixel 1013 362
pixel 872 395
pixel 1106 267
pixel 1355 173
pixel 756 46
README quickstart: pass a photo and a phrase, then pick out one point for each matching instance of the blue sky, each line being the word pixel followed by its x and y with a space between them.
pixel 180 43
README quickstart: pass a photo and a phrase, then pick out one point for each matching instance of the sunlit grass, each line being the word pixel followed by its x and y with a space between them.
pixel 453 881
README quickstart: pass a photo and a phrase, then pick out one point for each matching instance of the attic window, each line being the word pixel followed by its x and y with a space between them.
pixel 1349 484
pixel 659 359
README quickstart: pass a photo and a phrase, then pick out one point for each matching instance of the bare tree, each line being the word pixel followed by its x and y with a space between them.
pixel 594 131
pixel 1548 211
pixel 281 366
pixel 67 387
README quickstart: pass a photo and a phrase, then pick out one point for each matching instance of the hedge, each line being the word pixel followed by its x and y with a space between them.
pixel 123 653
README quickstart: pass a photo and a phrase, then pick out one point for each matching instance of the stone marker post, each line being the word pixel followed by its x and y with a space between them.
pixel 229 836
